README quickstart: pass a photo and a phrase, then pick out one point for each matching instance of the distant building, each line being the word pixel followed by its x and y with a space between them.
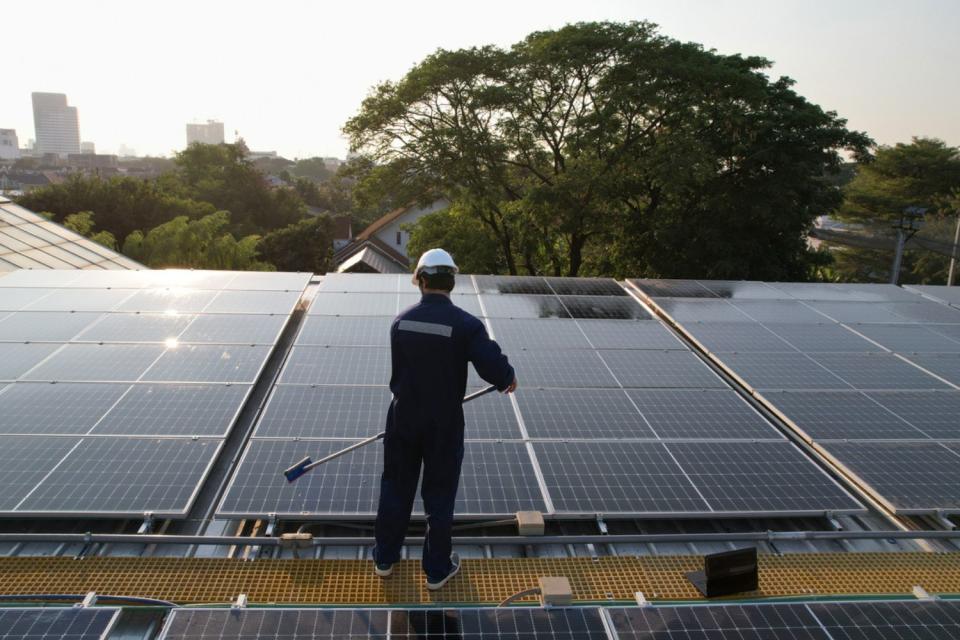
pixel 332 163
pixel 88 147
pixel 9 146
pixel 126 152
pixel 209 133
pixel 382 246
pixel 260 155
pixel 57 125
pixel 92 161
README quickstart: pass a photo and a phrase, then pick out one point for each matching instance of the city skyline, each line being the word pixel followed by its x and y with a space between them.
pixel 289 78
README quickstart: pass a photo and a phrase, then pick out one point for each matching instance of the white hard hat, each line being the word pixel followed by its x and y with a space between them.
pixel 435 261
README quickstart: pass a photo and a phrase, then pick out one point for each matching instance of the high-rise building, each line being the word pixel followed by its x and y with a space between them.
pixel 209 133
pixel 9 146
pixel 88 147
pixel 57 125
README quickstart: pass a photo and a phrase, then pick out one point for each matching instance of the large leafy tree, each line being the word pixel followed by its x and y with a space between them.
pixel 924 173
pixel 609 148
pixel 306 245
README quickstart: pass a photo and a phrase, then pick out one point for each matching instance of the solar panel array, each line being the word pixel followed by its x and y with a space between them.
pixel 868 373
pixel 899 620
pixel 30 241
pixel 614 416
pixel 117 388
pixel 56 624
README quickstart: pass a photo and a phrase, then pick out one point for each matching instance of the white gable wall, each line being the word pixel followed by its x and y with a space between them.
pixel 388 235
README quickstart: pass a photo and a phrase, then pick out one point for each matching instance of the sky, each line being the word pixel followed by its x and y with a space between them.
pixel 286 74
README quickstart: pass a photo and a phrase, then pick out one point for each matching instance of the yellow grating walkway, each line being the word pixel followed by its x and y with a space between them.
pixel 482 581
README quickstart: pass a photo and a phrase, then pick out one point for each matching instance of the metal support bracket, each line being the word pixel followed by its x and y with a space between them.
pixel 240 603
pixel 147 525
pixel 944 521
pixel 602 525
pixel 89 600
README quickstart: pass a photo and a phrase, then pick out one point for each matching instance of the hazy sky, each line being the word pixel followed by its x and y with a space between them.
pixel 287 74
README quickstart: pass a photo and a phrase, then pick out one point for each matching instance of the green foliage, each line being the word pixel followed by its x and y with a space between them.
pixel 197 244
pixel 924 173
pixel 221 175
pixel 119 204
pixel 83 224
pixel 313 169
pixel 605 148
pixel 471 243
pixel 306 245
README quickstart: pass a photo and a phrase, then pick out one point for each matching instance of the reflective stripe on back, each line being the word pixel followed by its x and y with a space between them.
pixel 431 328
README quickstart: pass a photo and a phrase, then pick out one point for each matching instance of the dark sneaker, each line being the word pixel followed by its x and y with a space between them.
pixel 383 570
pixel 433 585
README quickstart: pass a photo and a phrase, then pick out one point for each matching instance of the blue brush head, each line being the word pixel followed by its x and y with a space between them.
pixel 297 470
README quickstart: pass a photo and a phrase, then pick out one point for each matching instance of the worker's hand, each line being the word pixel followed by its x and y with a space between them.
pixel 512 387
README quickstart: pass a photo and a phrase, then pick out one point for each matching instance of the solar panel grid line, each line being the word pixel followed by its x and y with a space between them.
pixel 943 367
pixel 46 326
pixel 531 453
pixel 78 411
pixel 47 475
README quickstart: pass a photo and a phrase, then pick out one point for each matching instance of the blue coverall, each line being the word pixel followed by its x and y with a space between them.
pixel 431 344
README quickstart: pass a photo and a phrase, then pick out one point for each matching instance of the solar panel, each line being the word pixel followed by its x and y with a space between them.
pixel 505 624
pixel 125 476
pixel 830 337
pixel 616 477
pixel 777 311
pixel 700 413
pixel 935 413
pixel 81 300
pixel 136 327
pixel 673 288
pixel 366 282
pixel 912 477
pixel 951 331
pixel 949 295
pixel 663 369
pixel 642 334
pixel 337 365
pixel 253 302
pixel 174 410
pixel 858 312
pixel 285 624
pixel 604 307
pixel 534 285
pixel 528 333
pixel 491 418
pixel 567 368
pixel 759 476
pixel 168 301
pixel 782 371
pixel 585 287
pixel 346 331
pixel 743 337
pixel 40 277
pixel 743 290
pixel 845 415
pixel 355 304
pixel 97 362
pixel 56 624
pixel 18 358
pixel 905 620
pixel 581 413
pixel 208 363
pixel 523 306
pixel 945 365
pixel 727 622
pixel 301 411
pixel 926 312
pixel 877 371
pixel 24 461
pixel 235 329
pixel 861 292
pixel 40 408
pixel 908 338
pixel 14 299
pixel 684 310
pixel 497 479
pixel 268 281
pixel 44 326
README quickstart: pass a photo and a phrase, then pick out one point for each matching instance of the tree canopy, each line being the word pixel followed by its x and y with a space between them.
pixel 606 148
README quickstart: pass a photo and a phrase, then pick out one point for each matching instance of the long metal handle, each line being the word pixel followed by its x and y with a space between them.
pixel 300 468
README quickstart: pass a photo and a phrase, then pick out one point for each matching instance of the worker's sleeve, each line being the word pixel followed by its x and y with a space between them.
pixel 486 357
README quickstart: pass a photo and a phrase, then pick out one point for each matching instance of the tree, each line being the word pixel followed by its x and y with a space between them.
pixel 83 224
pixel 608 148
pixel 306 245
pixel 196 244
pixel 313 169
pixel 221 175
pixel 924 173
pixel 470 242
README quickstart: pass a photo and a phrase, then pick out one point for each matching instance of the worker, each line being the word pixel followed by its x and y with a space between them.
pixel 431 344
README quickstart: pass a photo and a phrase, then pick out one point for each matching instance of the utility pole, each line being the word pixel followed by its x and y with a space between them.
pixel 910 221
pixel 953 254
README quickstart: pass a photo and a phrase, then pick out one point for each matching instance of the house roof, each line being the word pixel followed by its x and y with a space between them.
pixel 382 222
pixel 387 253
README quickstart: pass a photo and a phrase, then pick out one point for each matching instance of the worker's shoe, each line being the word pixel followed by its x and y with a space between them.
pixel 383 570
pixel 433 585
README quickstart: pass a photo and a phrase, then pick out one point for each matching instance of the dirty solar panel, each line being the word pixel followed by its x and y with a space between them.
pixel 585 287
pixel 673 288
pixel 604 308
pixel 235 329
pixel 530 285
pixel 97 362
pixel 68 408
pixel 24 461
pixel 174 410
pixel 209 363
pixel 339 411
pixel 523 306
pixel 641 334
pixel 528 333
pixel 136 327
pixel 337 365
pixel 44 326
pixel 346 331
